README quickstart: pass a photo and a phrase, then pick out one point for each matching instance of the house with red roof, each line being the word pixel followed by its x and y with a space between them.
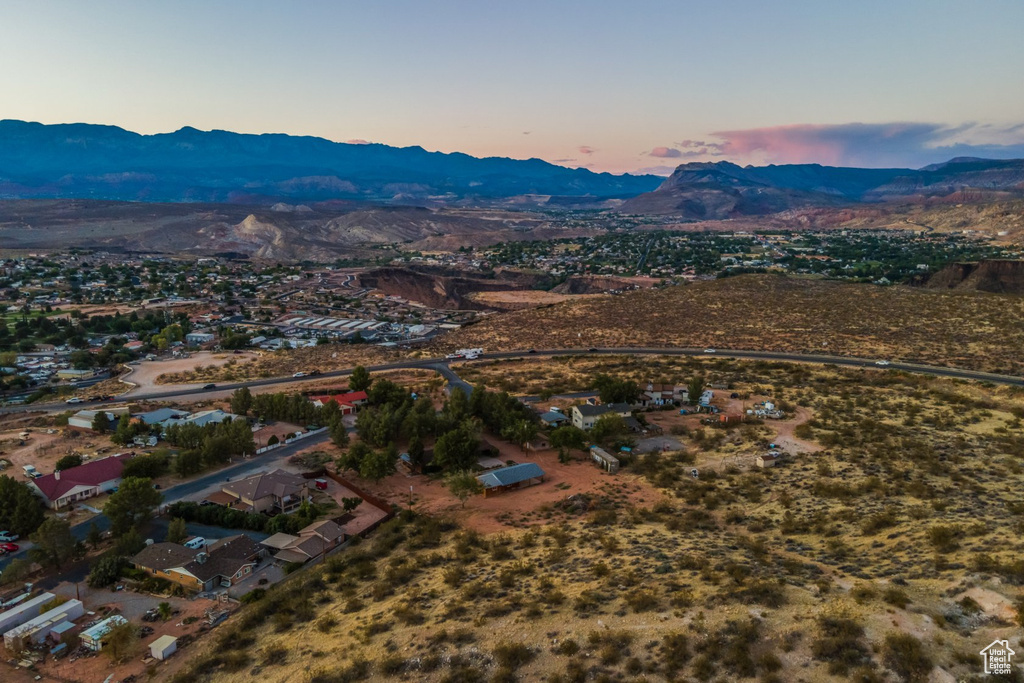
pixel 78 483
pixel 348 403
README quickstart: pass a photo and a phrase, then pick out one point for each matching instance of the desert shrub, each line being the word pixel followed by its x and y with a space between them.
pixel 840 644
pixel 273 655
pixel 906 656
pixel 896 596
pixel 513 655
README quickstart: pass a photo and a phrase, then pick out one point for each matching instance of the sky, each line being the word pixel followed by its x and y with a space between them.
pixel 636 86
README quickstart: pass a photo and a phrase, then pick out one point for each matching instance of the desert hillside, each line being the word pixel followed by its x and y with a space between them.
pixel 956 328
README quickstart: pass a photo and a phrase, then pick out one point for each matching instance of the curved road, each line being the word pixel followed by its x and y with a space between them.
pixel 441 365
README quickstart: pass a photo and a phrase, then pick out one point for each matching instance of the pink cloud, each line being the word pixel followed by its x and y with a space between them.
pixel 665 153
pixel 586 149
pixel 357 141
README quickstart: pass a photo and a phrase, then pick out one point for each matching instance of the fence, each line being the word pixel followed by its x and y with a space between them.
pixel 368 497
pixel 288 442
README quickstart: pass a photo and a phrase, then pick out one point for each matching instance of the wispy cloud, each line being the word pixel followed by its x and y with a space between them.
pixel 898 144
pixel 358 141
pixel 586 149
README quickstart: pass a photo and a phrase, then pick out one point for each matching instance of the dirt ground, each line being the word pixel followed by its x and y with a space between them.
pixel 513 509
pixel 144 375
pixel 43 450
pixel 96 668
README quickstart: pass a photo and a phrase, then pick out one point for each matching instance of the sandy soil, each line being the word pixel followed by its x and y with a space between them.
pixel 524 298
pixel 144 375
pixel 513 509
pixel 96 668
pixel 43 450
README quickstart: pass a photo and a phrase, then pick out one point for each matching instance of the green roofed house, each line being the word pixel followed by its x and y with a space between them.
pixel 511 477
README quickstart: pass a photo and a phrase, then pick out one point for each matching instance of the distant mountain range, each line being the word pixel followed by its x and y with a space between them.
pixel 708 191
pixel 106 162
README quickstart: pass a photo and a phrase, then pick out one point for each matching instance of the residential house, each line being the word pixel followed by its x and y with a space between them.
pixel 585 416
pixel 198 338
pixel 78 483
pixel 311 542
pixel 222 563
pixel 511 477
pixel 270 492
pixel 349 402
pixel 553 418
pixel 82 420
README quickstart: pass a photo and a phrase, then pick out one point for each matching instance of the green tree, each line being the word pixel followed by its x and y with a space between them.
pixel 241 401
pixel 520 432
pixel 132 505
pixel 94 537
pixel 458 449
pixel 121 642
pixel 106 570
pixel 165 610
pixel 101 423
pixel 379 464
pixel 352 459
pixel 339 435
pixel 608 427
pixel 614 390
pixel 54 544
pixel 695 388
pixel 16 570
pixel 67 462
pixel 360 379
pixel 177 531
pixel 569 437
pixel 462 484
pixel 21 511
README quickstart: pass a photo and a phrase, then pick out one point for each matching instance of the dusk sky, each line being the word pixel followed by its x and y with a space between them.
pixel 613 86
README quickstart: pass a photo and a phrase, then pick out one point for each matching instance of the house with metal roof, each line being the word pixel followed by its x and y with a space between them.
pixel 511 477
pixel 93 637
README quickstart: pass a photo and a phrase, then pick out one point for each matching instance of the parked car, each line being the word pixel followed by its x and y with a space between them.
pixel 73 399
pixel 8 537
pixel 299 374
pixel 9 547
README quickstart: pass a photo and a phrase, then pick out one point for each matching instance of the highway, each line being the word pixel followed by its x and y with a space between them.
pixel 442 365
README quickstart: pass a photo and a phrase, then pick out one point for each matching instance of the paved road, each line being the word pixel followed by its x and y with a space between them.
pixel 191 488
pixel 439 363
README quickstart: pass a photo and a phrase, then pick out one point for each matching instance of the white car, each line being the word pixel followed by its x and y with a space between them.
pixel 883 363
pixel 299 374
pixel 709 350
pixel 8 537
pixel 74 399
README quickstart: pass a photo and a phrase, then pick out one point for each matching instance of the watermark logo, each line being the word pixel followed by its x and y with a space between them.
pixel 997 657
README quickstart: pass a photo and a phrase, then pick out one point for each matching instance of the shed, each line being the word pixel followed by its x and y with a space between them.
pixel 163 647
pixel 605 459
pixel 93 637
pixel 512 477
pixel 767 460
